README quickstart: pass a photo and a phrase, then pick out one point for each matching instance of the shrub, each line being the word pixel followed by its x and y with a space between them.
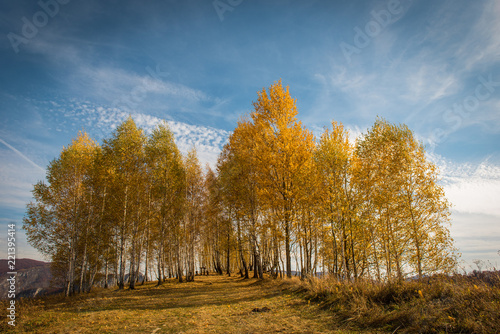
pixel 458 303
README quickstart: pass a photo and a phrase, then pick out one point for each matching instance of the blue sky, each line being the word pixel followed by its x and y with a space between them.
pixel 69 65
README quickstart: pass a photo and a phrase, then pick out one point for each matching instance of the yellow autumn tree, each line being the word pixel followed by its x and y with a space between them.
pixel 283 148
pixel 59 221
pixel 426 212
pixel 166 181
pixel 125 153
pixel 370 209
pixel 406 207
pixel 334 164
pixel 193 208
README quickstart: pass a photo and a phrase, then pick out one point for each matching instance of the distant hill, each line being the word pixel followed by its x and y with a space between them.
pixel 33 278
pixel 21 264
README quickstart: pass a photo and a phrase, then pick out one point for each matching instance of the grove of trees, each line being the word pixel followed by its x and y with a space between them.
pixel 279 201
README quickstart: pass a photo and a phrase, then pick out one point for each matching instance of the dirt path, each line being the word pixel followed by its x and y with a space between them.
pixel 212 304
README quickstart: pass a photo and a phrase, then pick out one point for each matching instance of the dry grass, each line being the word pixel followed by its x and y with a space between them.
pixel 221 304
pixel 439 304
pixel 213 304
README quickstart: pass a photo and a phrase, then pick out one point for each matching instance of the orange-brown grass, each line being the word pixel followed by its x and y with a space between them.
pixel 458 304
pixel 211 304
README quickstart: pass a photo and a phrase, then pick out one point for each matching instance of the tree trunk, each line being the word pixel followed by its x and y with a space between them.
pixel 106 274
pixel 287 248
pixel 82 269
pixel 179 263
pixel 228 269
pixel 159 268
pixel 255 266
pixel 92 279
pixel 71 271
pixel 240 251
pixel 121 281
pixel 352 251
pixel 121 278
pixel 131 272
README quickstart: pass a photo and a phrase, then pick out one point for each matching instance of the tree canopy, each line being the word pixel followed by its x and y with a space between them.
pixel 279 200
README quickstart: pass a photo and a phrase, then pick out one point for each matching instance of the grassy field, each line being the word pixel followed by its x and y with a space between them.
pixel 213 304
pixel 222 304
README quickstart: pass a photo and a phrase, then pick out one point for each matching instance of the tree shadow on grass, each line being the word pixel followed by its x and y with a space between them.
pixel 201 293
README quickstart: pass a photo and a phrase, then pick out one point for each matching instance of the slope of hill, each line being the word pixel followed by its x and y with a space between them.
pixel 33 278
pixel 21 264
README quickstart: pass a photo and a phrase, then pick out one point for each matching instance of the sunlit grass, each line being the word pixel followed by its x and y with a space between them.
pixel 212 304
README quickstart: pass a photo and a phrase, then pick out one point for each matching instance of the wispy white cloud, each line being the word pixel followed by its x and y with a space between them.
pixel 430 83
pixel 17 176
pixel 149 89
pixel 473 190
pixel 463 51
pixel 417 73
pixel 356 86
pixel 482 44
pixel 115 84
pixel 476 236
pixel 13 149
pixel 98 121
